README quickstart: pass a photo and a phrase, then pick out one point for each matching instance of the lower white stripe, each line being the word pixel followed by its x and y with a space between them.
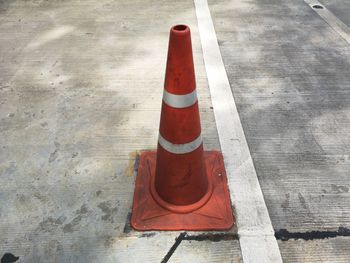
pixel 180 148
pixel 180 101
pixel 256 234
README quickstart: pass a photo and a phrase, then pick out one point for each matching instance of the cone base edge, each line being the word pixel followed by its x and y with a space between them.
pixel 148 215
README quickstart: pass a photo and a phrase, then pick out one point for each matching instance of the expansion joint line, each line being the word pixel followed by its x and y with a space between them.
pixel 214 237
pixel 285 235
pixel 171 251
pixel 282 234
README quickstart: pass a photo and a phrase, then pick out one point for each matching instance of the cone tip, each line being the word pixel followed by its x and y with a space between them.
pixel 180 29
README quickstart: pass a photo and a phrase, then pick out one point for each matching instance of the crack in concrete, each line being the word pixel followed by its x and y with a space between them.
pixel 171 251
pixel 282 234
pixel 201 237
pixel 212 237
pixel 285 235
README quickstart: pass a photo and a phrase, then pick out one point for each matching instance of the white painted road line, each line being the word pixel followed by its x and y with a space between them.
pixel 256 234
pixel 342 29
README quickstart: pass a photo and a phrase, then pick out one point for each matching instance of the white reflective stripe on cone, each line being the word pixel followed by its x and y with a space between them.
pixel 180 148
pixel 180 101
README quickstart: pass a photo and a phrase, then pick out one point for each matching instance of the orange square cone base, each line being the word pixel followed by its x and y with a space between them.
pixel 216 214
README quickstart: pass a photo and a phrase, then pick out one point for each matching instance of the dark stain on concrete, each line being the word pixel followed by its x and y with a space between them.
pixel 127 226
pixel 70 227
pixel 339 188
pixel 83 210
pixel 108 241
pixel 40 197
pixel 108 210
pixel 50 224
pixel 148 235
pixel 54 154
pixel 302 201
pixel 285 204
pixel 137 161
pixel 9 258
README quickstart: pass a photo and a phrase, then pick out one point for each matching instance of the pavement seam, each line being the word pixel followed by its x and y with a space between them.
pixel 212 237
pixel 285 235
pixel 282 234
pixel 171 251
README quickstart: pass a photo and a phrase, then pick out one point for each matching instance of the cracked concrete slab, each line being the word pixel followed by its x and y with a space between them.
pixel 207 251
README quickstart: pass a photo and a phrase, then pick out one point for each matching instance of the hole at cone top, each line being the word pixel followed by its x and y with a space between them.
pixel 180 28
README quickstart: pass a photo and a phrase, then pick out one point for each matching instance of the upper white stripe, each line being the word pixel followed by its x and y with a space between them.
pixel 180 101
pixel 180 148
pixel 256 234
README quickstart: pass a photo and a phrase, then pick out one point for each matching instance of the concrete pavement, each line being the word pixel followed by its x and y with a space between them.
pixel 80 93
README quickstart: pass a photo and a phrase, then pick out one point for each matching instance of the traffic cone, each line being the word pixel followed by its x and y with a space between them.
pixel 180 186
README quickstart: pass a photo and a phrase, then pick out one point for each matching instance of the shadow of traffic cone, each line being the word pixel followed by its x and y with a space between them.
pixel 179 186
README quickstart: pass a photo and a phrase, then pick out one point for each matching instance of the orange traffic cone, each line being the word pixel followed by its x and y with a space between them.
pixel 179 186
